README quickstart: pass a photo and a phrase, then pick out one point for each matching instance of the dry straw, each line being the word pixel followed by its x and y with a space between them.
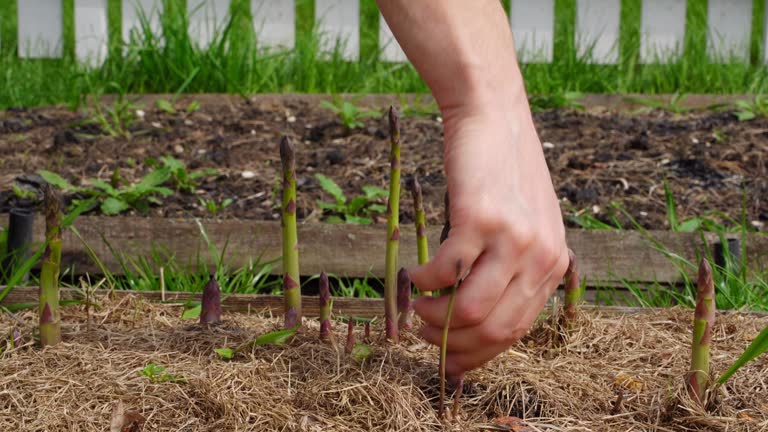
pixel 557 383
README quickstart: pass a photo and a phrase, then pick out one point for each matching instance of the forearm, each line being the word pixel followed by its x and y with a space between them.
pixel 463 49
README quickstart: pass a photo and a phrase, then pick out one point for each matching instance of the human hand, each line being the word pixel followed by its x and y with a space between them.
pixel 506 226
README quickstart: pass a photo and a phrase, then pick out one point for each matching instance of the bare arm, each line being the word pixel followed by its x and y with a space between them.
pixel 505 218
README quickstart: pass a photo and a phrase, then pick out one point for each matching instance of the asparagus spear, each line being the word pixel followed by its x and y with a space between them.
pixel 50 324
pixel 572 288
pixel 210 312
pixel 325 307
pixel 404 310
pixel 420 220
pixel 291 291
pixel 444 345
pixel 697 379
pixel 350 336
pixel 393 229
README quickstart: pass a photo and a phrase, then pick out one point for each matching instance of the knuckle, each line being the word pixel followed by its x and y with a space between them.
pixel 498 335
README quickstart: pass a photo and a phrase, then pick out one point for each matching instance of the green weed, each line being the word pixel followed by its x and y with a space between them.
pixel 355 211
pixel 351 115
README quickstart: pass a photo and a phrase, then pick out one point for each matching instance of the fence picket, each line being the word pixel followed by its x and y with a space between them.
pixel 338 23
pixel 132 13
pixel 390 48
pixel 729 27
pixel 274 23
pixel 207 18
pixel 662 32
pixel 41 25
pixel 91 31
pixel 597 30
pixel 765 33
pixel 533 28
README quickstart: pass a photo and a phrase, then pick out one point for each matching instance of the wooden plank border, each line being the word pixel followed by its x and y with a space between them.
pixel 606 257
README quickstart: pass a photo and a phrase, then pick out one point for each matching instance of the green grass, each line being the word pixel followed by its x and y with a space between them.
pixel 236 64
pixel 736 287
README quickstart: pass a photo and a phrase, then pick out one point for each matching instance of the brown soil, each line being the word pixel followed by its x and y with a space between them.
pixel 308 386
pixel 596 157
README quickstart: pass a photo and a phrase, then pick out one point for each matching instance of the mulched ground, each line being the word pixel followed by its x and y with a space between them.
pixel 550 381
pixel 597 156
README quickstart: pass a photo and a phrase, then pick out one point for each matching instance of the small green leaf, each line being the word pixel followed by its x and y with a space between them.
pixel 331 207
pixel 377 208
pixel 329 106
pixel 361 352
pixel 745 115
pixel 166 106
pixel 113 206
pixel 106 187
pixel 193 106
pixel 334 220
pixel 57 180
pixel 276 338
pixel 332 188
pixel 192 313
pixel 153 179
pixel 172 163
pixel 756 348
pixel 690 225
pixel 374 192
pixel 225 353
pixel 357 204
pixel 357 220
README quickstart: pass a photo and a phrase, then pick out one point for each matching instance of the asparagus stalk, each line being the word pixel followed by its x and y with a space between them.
pixel 210 312
pixel 697 379
pixel 50 324
pixel 444 344
pixel 572 288
pixel 350 336
pixel 420 220
pixel 393 229
pixel 16 338
pixel 367 331
pixel 404 310
pixel 325 308
pixel 291 291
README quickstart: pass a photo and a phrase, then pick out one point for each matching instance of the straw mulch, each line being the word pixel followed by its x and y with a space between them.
pixel 553 382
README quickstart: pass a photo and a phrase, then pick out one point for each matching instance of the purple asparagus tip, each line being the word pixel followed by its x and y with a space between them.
pixel 404 299
pixel 350 335
pixel 325 307
pixel 211 303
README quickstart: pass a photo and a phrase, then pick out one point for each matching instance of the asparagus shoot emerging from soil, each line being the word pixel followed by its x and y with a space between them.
pixel 444 344
pixel 50 324
pixel 404 310
pixel 350 336
pixel 572 288
pixel 420 220
pixel 210 312
pixel 17 339
pixel 325 307
pixel 291 291
pixel 697 379
pixel 393 229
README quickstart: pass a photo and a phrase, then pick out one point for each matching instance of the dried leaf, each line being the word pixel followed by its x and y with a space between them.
pixel 513 424
pixel 629 383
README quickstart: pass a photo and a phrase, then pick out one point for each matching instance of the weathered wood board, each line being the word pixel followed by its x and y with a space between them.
pixel 606 257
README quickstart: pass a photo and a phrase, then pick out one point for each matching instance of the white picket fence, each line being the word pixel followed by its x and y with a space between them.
pixel 532 21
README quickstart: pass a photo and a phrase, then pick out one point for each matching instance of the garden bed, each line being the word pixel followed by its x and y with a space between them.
pixel 551 381
pixel 597 156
